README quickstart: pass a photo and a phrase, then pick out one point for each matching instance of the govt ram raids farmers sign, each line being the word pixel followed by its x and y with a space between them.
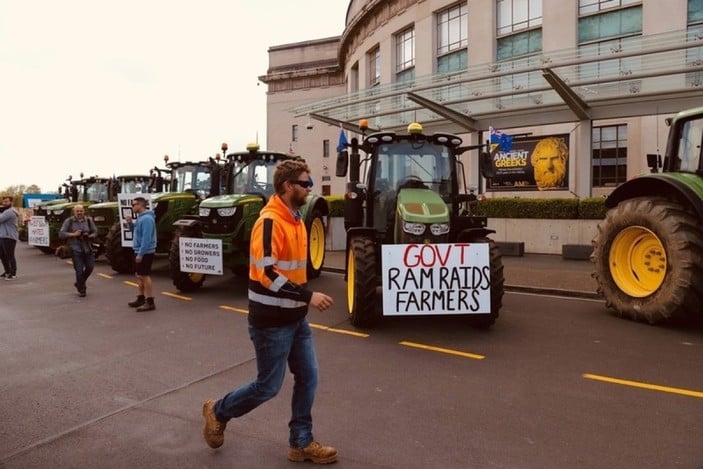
pixel 427 279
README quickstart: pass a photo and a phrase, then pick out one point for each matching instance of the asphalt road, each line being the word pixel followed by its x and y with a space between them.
pixel 556 383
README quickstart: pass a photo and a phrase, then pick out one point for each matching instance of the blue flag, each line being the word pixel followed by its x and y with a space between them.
pixel 342 141
pixel 500 139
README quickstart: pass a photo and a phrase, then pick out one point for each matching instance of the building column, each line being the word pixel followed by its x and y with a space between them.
pixel 581 170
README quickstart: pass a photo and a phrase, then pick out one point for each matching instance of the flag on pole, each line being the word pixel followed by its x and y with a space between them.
pixel 500 139
pixel 342 140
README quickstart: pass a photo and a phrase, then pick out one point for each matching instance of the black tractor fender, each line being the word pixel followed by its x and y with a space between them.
pixel 472 233
pixel 317 204
pixel 657 185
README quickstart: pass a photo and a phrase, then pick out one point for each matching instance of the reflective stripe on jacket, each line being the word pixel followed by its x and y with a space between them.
pixel 277 269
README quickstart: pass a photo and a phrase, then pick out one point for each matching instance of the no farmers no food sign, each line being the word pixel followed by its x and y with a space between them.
pixel 201 256
pixel 426 279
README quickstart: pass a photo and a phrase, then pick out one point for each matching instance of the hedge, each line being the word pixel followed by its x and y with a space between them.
pixel 589 209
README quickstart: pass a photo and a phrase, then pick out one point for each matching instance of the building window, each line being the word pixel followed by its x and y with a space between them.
pixel 619 23
pixel 374 60
pixel 519 28
pixel 594 6
pixel 694 55
pixel 517 15
pixel 452 39
pixel 405 50
pixel 294 133
pixel 326 148
pixel 609 155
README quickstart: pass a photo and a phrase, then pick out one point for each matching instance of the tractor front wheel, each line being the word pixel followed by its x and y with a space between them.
pixel 183 281
pixel 121 259
pixel 361 283
pixel 316 244
pixel 485 321
pixel 648 257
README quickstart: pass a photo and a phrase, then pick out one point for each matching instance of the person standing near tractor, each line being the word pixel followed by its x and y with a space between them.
pixel 278 328
pixel 144 246
pixel 79 230
pixel 8 238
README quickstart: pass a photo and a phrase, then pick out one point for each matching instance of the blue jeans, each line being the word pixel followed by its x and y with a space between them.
pixel 275 348
pixel 83 264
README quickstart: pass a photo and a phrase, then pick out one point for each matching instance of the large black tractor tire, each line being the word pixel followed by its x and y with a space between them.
pixel 361 283
pixel 485 321
pixel 648 257
pixel 316 244
pixel 183 281
pixel 121 259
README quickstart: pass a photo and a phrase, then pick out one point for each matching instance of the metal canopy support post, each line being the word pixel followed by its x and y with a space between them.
pixel 448 113
pixel 574 101
pixel 582 157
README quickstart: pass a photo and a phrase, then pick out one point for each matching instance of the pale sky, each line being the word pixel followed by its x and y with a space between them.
pixel 109 87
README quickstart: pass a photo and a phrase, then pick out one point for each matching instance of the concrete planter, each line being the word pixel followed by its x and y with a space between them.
pixel 541 236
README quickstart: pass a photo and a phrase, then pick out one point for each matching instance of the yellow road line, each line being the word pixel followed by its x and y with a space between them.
pixel 638 384
pixel 131 284
pixel 178 297
pixel 104 276
pixel 443 350
pixel 338 331
pixel 232 308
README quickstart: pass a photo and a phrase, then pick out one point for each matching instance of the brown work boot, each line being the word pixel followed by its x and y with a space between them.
pixel 214 430
pixel 314 452
pixel 147 306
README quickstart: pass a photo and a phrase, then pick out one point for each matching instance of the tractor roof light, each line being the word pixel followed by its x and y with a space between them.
pixel 252 147
pixel 224 148
pixel 165 158
pixel 363 124
pixel 414 128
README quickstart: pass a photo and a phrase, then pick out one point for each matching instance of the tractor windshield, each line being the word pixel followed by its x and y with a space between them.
pixel 96 192
pixel 192 178
pixel 132 186
pixel 690 144
pixel 255 176
pixel 413 164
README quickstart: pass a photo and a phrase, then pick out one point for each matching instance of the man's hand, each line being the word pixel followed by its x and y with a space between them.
pixel 77 233
pixel 321 301
pixel 138 259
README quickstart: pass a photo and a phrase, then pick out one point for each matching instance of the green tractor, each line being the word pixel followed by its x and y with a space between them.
pixel 230 217
pixel 85 191
pixel 175 192
pixel 413 246
pixel 105 214
pixel 648 252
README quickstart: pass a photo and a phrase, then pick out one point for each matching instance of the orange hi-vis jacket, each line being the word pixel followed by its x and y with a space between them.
pixel 277 268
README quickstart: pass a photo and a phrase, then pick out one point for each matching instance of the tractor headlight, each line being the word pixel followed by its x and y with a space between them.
pixel 204 211
pixel 58 212
pixel 226 211
pixel 439 228
pixel 416 229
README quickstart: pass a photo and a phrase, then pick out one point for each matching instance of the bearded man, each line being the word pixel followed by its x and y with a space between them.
pixel 549 163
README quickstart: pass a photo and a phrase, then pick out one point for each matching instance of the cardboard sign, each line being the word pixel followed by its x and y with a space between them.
pixel 427 279
pixel 201 256
pixel 128 217
pixel 38 231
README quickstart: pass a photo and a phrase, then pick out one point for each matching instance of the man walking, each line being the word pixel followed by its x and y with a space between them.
pixel 144 246
pixel 79 230
pixel 278 328
pixel 8 238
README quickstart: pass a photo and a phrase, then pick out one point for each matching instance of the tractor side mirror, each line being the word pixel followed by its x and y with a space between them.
pixel 342 163
pixel 654 162
pixel 485 164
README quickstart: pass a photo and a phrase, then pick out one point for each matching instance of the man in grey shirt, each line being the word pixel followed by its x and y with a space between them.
pixel 8 238
pixel 79 230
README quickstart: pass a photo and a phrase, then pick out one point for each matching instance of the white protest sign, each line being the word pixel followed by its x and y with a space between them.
pixel 128 217
pixel 38 228
pixel 201 256
pixel 427 279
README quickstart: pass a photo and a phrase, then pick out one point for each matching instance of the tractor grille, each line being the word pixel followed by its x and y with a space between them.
pixel 218 225
pixel 103 217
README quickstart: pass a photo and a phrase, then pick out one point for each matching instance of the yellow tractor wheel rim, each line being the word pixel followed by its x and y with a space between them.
pixel 637 261
pixel 196 278
pixel 317 243
pixel 350 281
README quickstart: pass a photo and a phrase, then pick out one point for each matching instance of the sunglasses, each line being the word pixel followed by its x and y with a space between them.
pixel 303 184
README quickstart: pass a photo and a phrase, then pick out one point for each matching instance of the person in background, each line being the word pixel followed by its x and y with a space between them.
pixel 278 328
pixel 79 230
pixel 8 238
pixel 144 246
